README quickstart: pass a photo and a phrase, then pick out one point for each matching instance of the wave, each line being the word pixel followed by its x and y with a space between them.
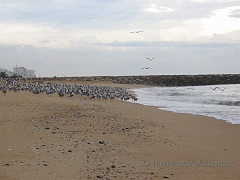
pixel 202 100
pixel 177 94
pixel 229 103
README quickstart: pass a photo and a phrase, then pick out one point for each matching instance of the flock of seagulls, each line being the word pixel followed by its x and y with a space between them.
pixel 69 90
pixel 150 59
pixel 221 89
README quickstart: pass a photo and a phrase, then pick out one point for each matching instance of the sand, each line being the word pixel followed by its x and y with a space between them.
pixel 51 138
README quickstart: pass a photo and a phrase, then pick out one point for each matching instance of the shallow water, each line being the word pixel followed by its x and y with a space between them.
pixel 218 101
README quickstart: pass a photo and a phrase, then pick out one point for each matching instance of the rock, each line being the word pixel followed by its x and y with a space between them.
pixel 101 142
pixel 165 176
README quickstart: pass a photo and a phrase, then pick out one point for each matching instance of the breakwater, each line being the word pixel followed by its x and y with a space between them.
pixel 161 80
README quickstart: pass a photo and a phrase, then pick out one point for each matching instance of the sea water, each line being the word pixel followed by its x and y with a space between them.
pixel 218 101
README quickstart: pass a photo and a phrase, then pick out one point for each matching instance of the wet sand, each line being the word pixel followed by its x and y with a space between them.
pixel 51 138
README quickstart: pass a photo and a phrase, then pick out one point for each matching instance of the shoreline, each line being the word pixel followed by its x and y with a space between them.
pixel 137 91
pixel 159 108
pixel 71 138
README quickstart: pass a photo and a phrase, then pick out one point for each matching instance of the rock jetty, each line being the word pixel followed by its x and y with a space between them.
pixel 161 80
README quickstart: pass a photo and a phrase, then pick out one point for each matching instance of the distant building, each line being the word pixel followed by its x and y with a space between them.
pixel 24 72
pixel 8 73
pixel 20 71
pixel 31 74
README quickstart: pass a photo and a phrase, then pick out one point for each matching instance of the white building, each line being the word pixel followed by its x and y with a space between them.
pixel 24 72
pixel 31 74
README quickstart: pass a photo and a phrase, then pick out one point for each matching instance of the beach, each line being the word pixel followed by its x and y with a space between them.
pixel 48 137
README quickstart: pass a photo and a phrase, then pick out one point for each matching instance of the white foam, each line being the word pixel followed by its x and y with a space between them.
pixel 218 101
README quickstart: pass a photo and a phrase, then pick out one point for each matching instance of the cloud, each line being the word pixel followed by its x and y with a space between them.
pixel 157 9
pixel 212 1
pixel 89 39
pixel 235 13
pixel 220 22
pixel 170 58
pixel 217 40
pixel 27 29
pixel 44 41
pixel 93 37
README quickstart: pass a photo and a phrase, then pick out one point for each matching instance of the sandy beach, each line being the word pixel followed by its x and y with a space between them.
pixel 47 137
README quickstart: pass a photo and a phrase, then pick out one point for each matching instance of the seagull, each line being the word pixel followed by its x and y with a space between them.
pixel 136 31
pixel 214 88
pixel 174 88
pixel 150 59
pixel 146 68
pixel 71 94
pixel 221 89
pixel 61 94
pixel 4 92
pixel 93 96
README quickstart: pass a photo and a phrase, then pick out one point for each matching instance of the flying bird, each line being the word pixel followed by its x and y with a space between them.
pixel 136 31
pixel 146 68
pixel 174 88
pixel 222 89
pixel 150 59
pixel 214 88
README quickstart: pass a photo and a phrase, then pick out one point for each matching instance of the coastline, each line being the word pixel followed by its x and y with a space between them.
pixel 196 100
pixel 52 138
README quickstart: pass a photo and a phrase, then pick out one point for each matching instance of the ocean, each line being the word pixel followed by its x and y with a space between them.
pixel 218 101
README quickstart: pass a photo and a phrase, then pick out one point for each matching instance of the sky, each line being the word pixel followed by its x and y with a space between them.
pixel 99 37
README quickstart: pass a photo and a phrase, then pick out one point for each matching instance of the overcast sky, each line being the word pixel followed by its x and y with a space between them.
pixel 93 37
